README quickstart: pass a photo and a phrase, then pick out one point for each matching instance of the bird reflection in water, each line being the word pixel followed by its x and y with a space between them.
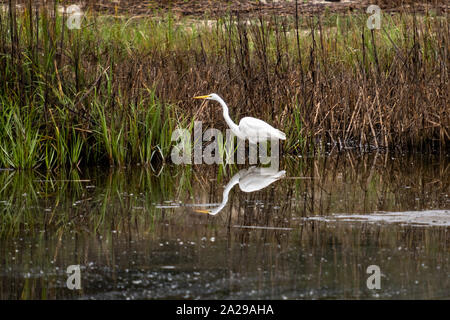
pixel 249 180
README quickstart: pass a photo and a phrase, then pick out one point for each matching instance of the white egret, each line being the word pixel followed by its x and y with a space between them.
pixel 250 180
pixel 250 128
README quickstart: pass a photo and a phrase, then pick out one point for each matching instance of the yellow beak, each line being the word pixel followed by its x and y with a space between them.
pixel 202 211
pixel 201 97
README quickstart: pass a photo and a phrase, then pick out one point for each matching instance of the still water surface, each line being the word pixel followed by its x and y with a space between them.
pixel 309 232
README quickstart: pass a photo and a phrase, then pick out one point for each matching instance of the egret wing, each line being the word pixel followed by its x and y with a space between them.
pixel 256 128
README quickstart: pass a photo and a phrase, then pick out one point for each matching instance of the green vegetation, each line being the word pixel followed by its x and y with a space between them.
pixel 113 91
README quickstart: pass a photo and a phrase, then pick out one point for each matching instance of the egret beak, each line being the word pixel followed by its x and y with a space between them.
pixel 202 97
pixel 202 211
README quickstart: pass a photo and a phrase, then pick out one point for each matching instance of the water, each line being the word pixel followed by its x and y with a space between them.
pixel 310 233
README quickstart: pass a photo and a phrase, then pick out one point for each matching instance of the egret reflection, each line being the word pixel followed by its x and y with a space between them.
pixel 249 180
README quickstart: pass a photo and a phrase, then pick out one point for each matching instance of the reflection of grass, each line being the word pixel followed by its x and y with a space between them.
pixel 78 218
pixel 115 90
pixel 101 202
pixel 66 201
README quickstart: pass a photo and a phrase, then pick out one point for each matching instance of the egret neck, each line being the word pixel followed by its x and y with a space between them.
pixel 234 127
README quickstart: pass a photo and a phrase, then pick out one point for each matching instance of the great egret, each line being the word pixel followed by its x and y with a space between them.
pixel 250 128
pixel 250 180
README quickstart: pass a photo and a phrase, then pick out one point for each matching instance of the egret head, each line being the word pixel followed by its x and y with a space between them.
pixel 211 96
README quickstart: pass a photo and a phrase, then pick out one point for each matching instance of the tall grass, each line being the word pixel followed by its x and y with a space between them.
pixel 64 100
pixel 113 91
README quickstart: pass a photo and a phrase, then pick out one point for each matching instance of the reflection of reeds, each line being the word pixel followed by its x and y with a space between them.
pixel 67 202
pixel 318 262
pixel 338 184
pixel 114 90
pixel 96 216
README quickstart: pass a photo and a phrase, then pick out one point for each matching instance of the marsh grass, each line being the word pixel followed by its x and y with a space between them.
pixel 66 99
pixel 113 91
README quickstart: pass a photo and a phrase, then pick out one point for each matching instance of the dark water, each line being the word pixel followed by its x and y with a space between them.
pixel 136 233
